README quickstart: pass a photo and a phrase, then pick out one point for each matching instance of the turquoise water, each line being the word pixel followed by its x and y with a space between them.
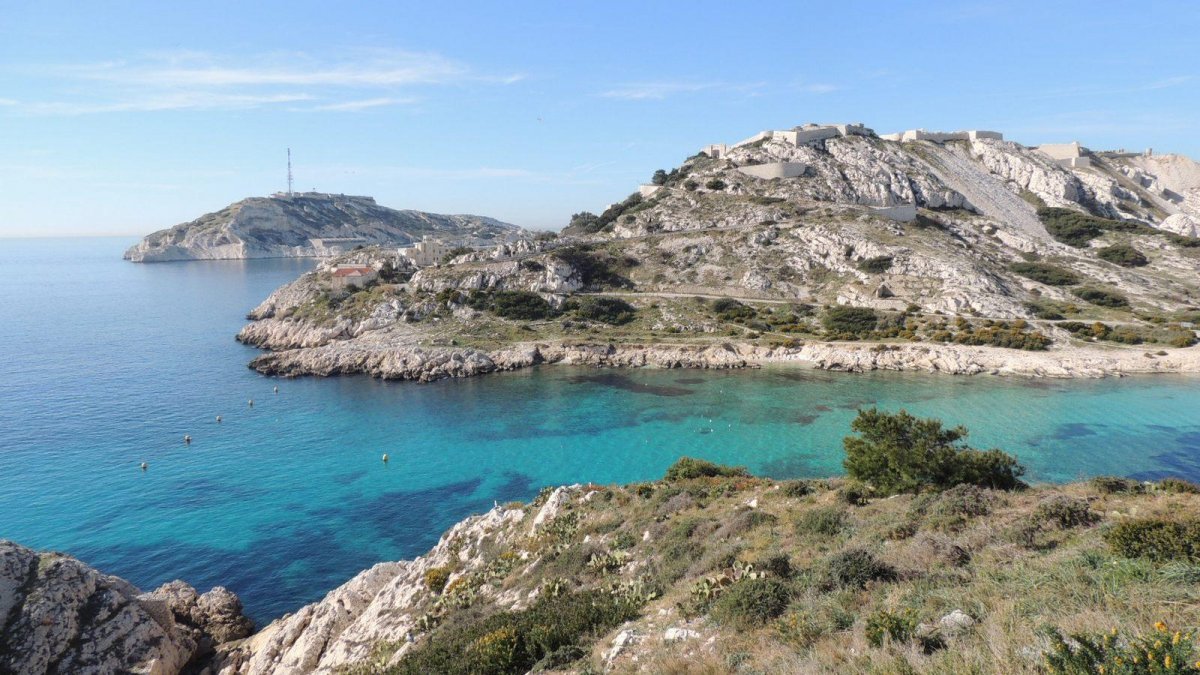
pixel 107 364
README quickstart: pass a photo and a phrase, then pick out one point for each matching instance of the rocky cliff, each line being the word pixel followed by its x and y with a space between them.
pixel 283 227
pixel 58 615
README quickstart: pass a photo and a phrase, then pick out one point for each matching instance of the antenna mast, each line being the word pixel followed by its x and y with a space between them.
pixel 289 171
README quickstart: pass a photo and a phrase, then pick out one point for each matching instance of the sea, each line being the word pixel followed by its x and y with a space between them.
pixel 106 364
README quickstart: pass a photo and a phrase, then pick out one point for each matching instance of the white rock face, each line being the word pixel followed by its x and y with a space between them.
pixel 281 227
pixel 379 604
pixel 1188 226
pixel 60 615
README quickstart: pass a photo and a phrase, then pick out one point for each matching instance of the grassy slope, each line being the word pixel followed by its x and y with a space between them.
pixel 1015 569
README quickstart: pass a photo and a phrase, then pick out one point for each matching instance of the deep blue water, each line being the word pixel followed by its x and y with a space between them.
pixel 105 364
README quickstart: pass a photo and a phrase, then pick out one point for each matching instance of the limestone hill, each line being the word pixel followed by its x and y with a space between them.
pixel 835 247
pixel 285 226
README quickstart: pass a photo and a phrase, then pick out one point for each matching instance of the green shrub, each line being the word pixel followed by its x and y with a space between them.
pixel 597 269
pixel 521 305
pixel 1064 512
pixel 954 506
pixel 850 321
pixel 1123 255
pixel 1159 540
pixel 1077 229
pixel 826 521
pixel 855 568
pixel 901 453
pixel 688 467
pixel 796 488
pixel 436 578
pixel 1101 297
pixel 1182 340
pixel 613 311
pixel 751 602
pixel 876 265
pixel 728 309
pixel 1044 310
pixel 1178 486
pixel 1111 485
pixel 1051 275
pixel 1156 652
pixel 885 625
pixel 853 493
pixel 715 184
pixel 516 641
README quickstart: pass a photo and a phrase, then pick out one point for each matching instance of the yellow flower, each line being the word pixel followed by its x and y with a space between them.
pixel 1158 644
pixel 1175 638
pixel 1167 661
pixel 1160 626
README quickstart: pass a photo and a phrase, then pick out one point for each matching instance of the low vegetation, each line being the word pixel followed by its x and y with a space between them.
pixel 1051 275
pixel 1123 255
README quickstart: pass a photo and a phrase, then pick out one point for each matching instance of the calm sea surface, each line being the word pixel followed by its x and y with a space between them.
pixel 105 364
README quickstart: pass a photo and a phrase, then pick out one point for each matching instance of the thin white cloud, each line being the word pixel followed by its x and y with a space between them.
pixel 364 104
pixel 167 101
pixel 819 88
pixel 8 101
pixel 183 80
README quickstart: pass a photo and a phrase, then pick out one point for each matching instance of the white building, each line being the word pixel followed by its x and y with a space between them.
pixel 1066 154
pixel 796 136
pixel 328 247
pixel 942 136
pixel 427 252
pixel 346 276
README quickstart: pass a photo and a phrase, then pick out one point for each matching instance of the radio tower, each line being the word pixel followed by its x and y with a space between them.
pixel 289 172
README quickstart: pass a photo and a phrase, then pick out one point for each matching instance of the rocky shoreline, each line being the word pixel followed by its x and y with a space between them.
pixel 402 361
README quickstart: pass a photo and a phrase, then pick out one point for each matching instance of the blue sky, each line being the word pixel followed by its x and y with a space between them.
pixel 124 117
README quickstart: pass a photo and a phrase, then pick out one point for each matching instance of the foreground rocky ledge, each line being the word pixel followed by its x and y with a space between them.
pixel 382 359
pixel 60 615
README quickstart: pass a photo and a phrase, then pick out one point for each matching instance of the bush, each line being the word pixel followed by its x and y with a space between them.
pixel 1156 539
pixel 1064 512
pixel 851 321
pixel 895 626
pixel 751 602
pixel 455 252
pixel 876 265
pixel 1158 652
pixel 728 309
pixel 797 488
pixel 1077 229
pixel 825 521
pixel 597 270
pixel 1101 297
pixel 520 305
pixel 1051 275
pixel 686 468
pixel 1178 486
pixel 1111 485
pixel 613 311
pixel 901 453
pixel 715 184
pixel 967 501
pixel 855 568
pixel 1123 255
pixel 516 641
pixel 1044 310
pixel 436 578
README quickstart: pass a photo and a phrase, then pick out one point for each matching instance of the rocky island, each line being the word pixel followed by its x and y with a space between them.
pixel 829 245
pixel 309 224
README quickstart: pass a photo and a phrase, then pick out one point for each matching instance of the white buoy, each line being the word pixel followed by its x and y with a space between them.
pixel 251 403
pixel 187 439
pixel 276 390
pixel 145 466
pixel 385 458
pixel 218 419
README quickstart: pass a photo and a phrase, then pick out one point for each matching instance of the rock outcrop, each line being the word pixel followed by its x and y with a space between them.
pixel 58 615
pixel 284 226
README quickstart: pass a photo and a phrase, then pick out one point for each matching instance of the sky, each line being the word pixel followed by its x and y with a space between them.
pixel 124 117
